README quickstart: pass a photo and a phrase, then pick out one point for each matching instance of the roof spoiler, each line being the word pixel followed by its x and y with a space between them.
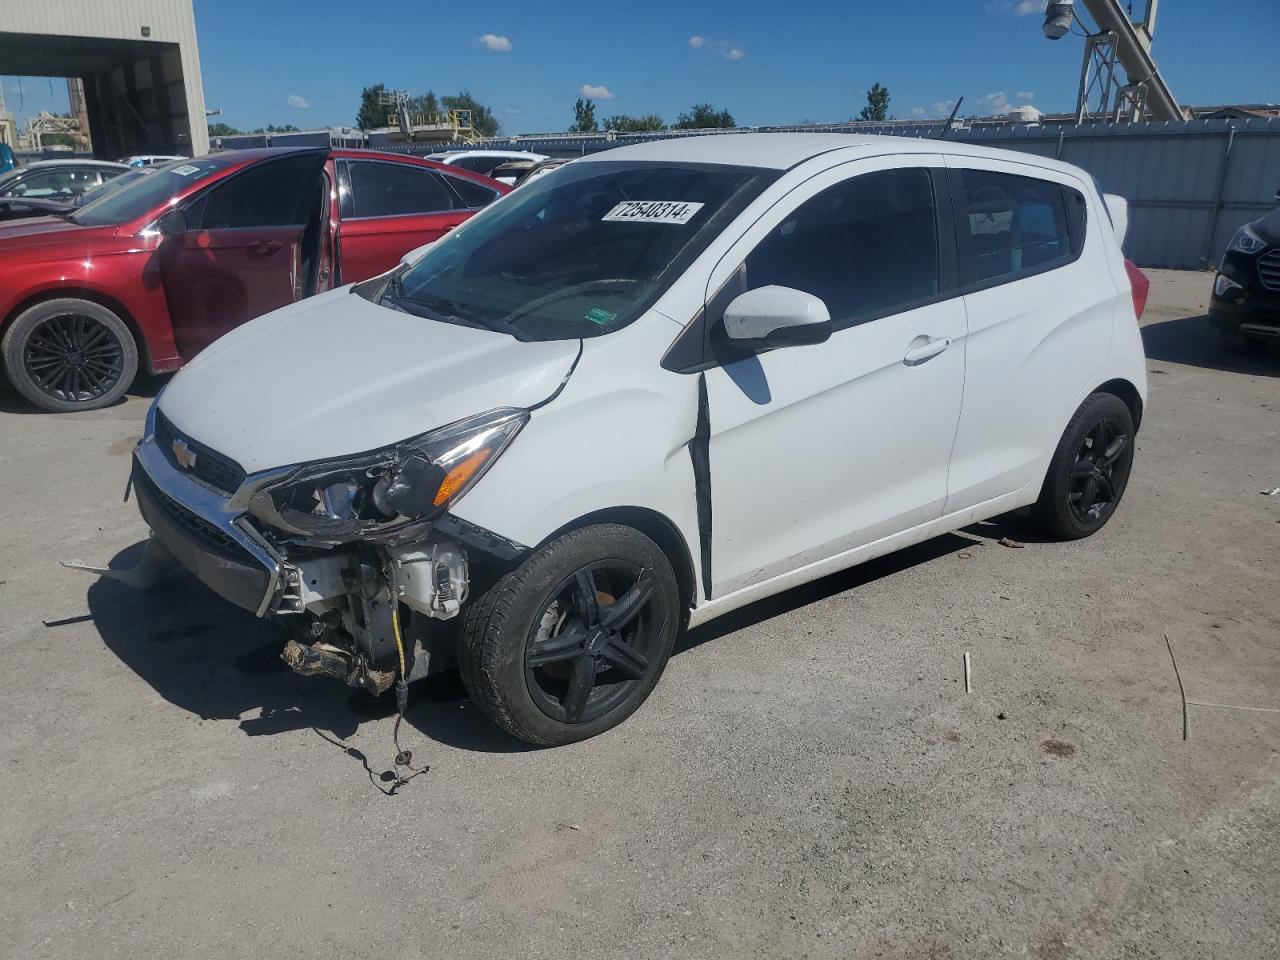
pixel 1118 210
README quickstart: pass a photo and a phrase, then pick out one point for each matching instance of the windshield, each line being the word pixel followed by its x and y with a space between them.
pixel 580 252
pixel 143 194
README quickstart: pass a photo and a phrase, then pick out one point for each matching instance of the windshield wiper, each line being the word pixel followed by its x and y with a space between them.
pixel 446 310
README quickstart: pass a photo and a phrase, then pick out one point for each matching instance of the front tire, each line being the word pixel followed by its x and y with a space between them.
pixel 571 642
pixel 69 354
pixel 1089 470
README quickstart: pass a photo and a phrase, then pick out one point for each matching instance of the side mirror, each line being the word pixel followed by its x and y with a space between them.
pixel 777 317
pixel 173 223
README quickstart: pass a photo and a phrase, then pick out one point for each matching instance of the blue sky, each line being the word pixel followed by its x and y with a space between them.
pixel 304 61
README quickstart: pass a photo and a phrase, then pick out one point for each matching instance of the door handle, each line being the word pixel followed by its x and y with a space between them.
pixel 265 246
pixel 924 348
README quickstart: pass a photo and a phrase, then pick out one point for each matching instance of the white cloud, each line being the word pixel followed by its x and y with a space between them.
pixel 939 110
pixel 597 92
pixel 721 48
pixel 495 42
pixel 998 103
pixel 298 103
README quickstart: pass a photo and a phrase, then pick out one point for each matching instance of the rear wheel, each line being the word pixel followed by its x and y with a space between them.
pixel 1089 470
pixel 570 643
pixel 69 354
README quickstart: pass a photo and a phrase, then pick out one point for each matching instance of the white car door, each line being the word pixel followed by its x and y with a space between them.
pixel 815 450
pixel 1040 297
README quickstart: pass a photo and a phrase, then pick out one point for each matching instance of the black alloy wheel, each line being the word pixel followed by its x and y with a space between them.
pixel 1093 486
pixel 572 641
pixel 594 644
pixel 69 354
pixel 73 358
pixel 1089 470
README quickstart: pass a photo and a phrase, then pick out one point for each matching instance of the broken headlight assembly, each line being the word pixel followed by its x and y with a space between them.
pixel 390 493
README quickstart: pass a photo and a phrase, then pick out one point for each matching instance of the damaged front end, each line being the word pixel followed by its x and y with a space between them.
pixel 358 556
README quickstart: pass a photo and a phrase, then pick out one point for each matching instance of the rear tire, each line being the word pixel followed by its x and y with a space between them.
pixel 69 354
pixel 1089 471
pixel 572 642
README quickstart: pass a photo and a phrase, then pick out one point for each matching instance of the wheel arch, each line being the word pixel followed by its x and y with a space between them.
pixel 93 296
pixel 1128 393
pixel 658 528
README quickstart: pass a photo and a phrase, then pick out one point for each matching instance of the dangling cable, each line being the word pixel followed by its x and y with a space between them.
pixel 403 758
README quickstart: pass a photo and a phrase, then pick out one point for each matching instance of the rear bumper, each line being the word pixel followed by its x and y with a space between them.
pixel 207 536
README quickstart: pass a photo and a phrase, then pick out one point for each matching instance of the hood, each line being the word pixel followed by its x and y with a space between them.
pixel 1268 228
pixel 336 375
pixel 39 231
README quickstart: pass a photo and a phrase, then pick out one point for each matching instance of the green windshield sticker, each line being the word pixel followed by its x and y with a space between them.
pixel 596 315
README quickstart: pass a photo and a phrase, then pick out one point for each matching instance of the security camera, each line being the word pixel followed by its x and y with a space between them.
pixel 1057 18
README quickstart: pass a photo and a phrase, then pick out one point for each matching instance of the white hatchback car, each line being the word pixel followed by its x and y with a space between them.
pixel 651 387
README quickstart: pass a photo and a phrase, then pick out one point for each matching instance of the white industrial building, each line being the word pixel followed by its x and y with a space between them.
pixel 138 60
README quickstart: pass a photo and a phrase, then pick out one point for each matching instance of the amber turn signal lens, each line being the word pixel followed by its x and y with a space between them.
pixel 460 475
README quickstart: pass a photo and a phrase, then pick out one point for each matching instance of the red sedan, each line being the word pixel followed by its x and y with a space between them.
pixel 152 272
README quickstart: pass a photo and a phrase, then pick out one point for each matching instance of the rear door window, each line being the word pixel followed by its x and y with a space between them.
pixel 1013 226
pixel 473 195
pixel 375 189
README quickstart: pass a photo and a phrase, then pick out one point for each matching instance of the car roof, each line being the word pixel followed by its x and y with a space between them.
pixel 103 164
pixel 782 151
pixel 513 154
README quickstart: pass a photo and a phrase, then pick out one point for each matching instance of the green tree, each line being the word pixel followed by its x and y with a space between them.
pixel 877 107
pixel 271 128
pixel 702 116
pixel 221 129
pixel 482 118
pixel 372 114
pixel 426 105
pixel 584 117
pixel 625 124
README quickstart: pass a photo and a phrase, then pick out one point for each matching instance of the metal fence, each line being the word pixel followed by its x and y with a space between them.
pixel 1190 185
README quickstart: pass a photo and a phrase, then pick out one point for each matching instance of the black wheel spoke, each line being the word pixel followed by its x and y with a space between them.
pixel 1114 449
pixel 579 692
pixel 622 611
pixel 557 649
pixel 1081 470
pixel 618 654
pixel 1089 495
pixel 586 599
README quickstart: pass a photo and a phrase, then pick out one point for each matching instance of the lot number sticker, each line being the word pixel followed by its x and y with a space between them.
pixel 653 211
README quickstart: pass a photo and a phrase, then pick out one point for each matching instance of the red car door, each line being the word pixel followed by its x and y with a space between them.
pixel 251 243
pixel 387 209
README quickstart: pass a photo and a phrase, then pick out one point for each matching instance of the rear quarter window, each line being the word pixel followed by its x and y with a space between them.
pixel 1013 226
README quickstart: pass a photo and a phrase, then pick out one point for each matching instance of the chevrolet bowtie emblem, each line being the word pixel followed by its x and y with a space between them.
pixel 183 453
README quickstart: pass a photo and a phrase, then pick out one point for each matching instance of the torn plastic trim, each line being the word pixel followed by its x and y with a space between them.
pixel 700 455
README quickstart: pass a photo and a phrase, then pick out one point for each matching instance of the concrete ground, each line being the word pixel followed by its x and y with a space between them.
pixel 808 780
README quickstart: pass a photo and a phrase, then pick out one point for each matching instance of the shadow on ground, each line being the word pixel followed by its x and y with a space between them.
pixel 1191 341
pixel 219 662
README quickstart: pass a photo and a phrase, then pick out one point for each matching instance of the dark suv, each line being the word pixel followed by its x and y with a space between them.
pixel 1246 292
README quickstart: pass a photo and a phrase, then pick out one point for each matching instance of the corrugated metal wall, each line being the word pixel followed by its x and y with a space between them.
pixel 167 21
pixel 1190 185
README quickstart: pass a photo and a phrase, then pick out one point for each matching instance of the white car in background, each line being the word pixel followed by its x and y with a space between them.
pixel 149 159
pixel 645 390
pixel 483 161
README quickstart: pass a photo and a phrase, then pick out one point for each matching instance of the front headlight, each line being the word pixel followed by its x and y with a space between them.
pixel 1246 241
pixel 379 494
